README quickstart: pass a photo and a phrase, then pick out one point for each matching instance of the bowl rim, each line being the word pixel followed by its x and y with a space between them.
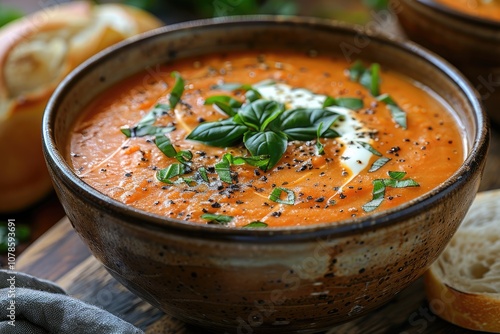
pixel 131 216
pixel 457 14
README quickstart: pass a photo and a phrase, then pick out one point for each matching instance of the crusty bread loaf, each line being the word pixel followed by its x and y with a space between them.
pixel 36 53
pixel 463 285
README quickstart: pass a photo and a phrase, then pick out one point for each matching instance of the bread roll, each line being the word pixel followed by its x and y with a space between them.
pixel 463 285
pixel 36 53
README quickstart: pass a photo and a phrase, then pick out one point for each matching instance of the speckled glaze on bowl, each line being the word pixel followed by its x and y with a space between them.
pixel 287 280
pixel 470 43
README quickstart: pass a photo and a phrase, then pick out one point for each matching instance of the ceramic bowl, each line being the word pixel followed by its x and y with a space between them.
pixel 301 279
pixel 471 43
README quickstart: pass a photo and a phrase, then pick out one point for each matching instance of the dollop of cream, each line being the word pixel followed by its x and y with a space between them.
pixel 354 158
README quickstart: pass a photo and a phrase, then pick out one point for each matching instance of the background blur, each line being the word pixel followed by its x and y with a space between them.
pixel 172 11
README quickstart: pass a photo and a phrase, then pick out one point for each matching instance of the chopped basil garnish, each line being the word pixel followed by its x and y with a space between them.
pixel 370 79
pixel 379 186
pixel 244 87
pixel 370 148
pixel 225 103
pixel 396 175
pixel 357 70
pixel 176 93
pixel 255 224
pixel 202 172
pixel 276 195
pixel 184 157
pixel 164 175
pixel 255 161
pixel 379 163
pixel 165 145
pixel 223 169
pixel 378 194
pixel 346 102
pixel 217 219
pixel 398 115
pixel 145 126
pixel 319 147
pixel 252 95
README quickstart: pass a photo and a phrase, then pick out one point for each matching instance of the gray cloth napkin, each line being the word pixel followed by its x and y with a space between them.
pixel 42 307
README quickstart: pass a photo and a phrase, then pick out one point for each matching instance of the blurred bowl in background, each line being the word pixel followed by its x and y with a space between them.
pixel 470 42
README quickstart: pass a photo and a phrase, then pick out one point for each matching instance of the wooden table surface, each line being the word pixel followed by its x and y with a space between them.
pixel 61 256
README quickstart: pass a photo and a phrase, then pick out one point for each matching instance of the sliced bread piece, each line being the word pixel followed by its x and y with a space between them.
pixel 463 285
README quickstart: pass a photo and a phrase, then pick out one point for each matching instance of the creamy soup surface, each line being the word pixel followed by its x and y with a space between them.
pixel 390 140
pixel 489 9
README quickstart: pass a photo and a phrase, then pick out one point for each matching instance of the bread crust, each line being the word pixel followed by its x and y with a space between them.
pixel 465 300
pixel 36 53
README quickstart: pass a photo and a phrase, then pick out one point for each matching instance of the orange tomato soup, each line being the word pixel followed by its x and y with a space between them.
pixel 489 9
pixel 308 187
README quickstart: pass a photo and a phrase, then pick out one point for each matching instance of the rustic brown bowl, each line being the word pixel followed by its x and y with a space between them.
pixel 470 43
pixel 301 279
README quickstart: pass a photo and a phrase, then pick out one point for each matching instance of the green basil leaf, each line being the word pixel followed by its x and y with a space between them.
pixel 223 133
pixel 225 103
pixel 319 148
pixel 346 102
pixel 126 131
pixel 378 189
pixel 370 79
pixel 255 161
pixel 252 95
pixel 184 157
pixel 369 148
pixel 269 143
pixel 146 130
pixel 245 87
pixel 330 133
pixel 263 83
pixel 165 145
pixel 378 194
pixel 255 224
pixel 150 118
pixel 223 169
pixel 379 163
pixel 396 175
pixel 164 175
pixel 232 86
pixel 202 172
pixel 223 99
pixel 357 70
pixel 302 124
pixel 145 126
pixel 372 205
pixel 397 114
pixel 258 114
pixel 276 194
pixel 401 183
pixel 176 93
pixel 218 219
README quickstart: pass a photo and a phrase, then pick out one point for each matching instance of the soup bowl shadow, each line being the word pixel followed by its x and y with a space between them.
pixel 471 43
pixel 297 279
